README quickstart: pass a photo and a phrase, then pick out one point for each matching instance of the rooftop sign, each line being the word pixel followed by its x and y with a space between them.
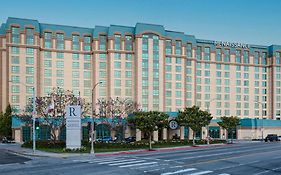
pixel 229 44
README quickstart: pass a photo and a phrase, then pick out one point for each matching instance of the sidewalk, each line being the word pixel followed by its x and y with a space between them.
pixel 17 149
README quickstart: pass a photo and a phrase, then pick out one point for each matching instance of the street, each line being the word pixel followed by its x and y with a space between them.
pixel 233 159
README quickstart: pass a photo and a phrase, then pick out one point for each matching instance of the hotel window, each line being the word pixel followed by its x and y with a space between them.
pixel 29 60
pixel 15 79
pixel 199 53
pixel 29 51
pixel 257 58
pixel 189 50
pixel 48 63
pixel 87 43
pixel 60 82
pixel 246 57
pixel 278 58
pixel 60 41
pixel 168 47
pixel 15 60
pixel 15 88
pixel 15 35
pixel 60 73
pixel 75 42
pixel 218 54
pixel 264 59
pixel 226 55
pixel 103 42
pixel 75 56
pixel 60 55
pixel 87 57
pixel 128 43
pixel 238 56
pixel 207 53
pixel 60 64
pixel 29 36
pixel 75 65
pixel 117 42
pixel 178 48
pixel 48 40
pixel 15 69
pixel 29 70
pixel 15 50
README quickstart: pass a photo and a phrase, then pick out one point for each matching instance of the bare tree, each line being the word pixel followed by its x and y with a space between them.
pixel 51 108
pixel 117 109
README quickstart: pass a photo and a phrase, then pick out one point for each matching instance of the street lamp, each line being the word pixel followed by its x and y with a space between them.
pixel 92 125
pixel 208 108
pixel 33 115
pixel 262 107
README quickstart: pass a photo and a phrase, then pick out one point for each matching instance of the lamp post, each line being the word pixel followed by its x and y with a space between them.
pixel 92 125
pixel 33 115
pixel 262 107
pixel 208 108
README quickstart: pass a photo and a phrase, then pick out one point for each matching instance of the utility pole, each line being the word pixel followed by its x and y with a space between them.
pixel 93 121
pixel 208 108
pixel 262 107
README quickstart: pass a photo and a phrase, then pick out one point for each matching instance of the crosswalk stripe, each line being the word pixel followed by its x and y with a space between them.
pixel 122 163
pixel 200 173
pixel 106 160
pixel 138 164
pixel 224 174
pixel 179 171
pixel 116 161
pixel 143 167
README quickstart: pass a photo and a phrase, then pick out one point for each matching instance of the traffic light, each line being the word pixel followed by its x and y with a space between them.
pixel 95 125
pixel 37 123
pixel 89 126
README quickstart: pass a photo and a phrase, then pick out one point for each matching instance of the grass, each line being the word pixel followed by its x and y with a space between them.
pixel 112 147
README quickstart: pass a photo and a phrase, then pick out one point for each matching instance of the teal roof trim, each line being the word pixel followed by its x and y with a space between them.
pixel 120 29
pixel 22 23
pixel 153 28
pixel 175 35
pixel 100 29
pixel 2 29
pixel 68 30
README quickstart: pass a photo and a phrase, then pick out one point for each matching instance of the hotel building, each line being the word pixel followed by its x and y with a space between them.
pixel 160 69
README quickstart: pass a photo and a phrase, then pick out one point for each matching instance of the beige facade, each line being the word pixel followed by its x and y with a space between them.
pixel 161 70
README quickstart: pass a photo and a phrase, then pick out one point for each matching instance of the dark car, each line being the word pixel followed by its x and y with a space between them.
pixel 7 140
pixel 271 138
pixel 105 139
pixel 130 139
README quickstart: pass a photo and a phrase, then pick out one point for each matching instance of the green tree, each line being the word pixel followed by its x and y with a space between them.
pixel 148 122
pixel 229 123
pixel 195 118
pixel 6 122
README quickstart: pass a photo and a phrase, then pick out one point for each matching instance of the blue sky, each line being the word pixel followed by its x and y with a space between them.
pixel 246 21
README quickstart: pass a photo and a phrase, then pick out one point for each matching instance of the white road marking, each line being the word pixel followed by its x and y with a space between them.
pixel 201 172
pixel 142 167
pixel 122 163
pixel 154 170
pixel 176 166
pixel 116 161
pixel 106 159
pixel 179 171
pixel 224 174
pixel 138 164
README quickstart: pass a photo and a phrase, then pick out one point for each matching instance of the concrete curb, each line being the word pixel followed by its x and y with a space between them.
pixel 140 151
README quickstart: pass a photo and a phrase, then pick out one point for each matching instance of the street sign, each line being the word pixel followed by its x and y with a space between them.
pixel 73 127
pixel 173 124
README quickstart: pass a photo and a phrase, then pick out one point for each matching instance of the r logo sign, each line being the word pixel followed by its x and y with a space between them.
pixel 73 127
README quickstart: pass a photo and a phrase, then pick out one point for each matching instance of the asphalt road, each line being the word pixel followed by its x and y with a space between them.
pixel 233 159
pixel 10 158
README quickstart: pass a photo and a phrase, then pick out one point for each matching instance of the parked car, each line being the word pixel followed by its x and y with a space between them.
pixel 130 139
pixel 271 138
pixel 279 138
pixel 104 139
pixel 7 140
